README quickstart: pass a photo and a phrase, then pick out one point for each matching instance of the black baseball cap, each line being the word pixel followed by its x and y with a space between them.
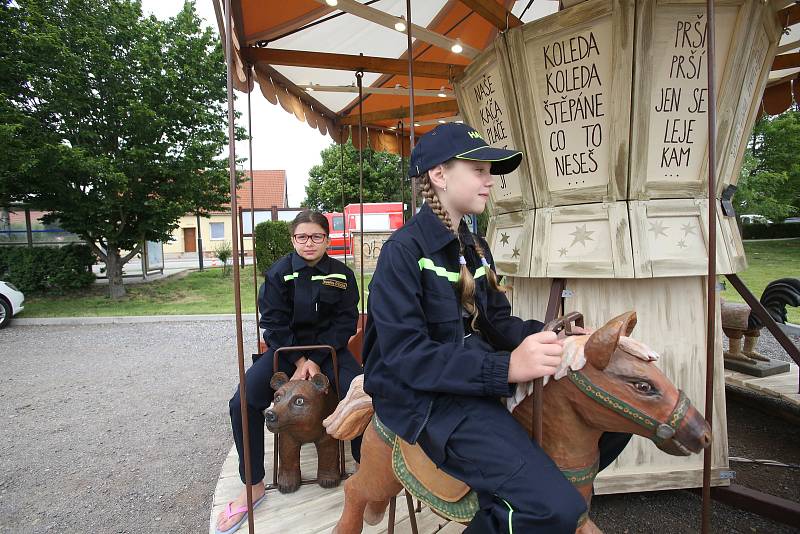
pixel 460 141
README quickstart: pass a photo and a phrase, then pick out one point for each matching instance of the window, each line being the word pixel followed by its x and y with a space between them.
pixel 217 230
pixel 338 223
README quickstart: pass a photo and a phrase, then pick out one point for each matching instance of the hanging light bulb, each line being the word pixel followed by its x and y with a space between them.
pixel 400 25
pixel 332 3
pixel 442 121
pixel 457 48
pixel 416 124
pixel 442 94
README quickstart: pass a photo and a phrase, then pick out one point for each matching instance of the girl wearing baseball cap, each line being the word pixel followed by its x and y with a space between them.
pixel 441 346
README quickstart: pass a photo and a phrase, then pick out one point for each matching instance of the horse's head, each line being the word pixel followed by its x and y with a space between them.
pixel 620 375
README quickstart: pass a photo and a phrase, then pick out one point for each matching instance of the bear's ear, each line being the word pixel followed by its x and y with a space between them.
pixel 321 382
pixel 278 379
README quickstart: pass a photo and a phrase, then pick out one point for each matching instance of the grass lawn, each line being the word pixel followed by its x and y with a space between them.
pixel 768 261
pixel 210 292
pixel 193 293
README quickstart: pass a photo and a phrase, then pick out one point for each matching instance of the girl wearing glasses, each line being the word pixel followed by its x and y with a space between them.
pixel 308 298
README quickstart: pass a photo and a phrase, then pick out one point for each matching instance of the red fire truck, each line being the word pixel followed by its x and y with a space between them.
pixel 378 216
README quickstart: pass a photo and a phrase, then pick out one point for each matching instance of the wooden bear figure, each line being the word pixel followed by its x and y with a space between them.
pixel 295 417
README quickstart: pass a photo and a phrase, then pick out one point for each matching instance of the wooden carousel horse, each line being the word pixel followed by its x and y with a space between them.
pixel 738 320
pixel 611 385
pixel 296 416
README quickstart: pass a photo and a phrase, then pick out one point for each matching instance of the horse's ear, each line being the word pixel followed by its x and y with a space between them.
pixel 321 382
pixel 278 379
pixel 603 342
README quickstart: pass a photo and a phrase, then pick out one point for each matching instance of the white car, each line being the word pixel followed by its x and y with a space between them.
pixel 11 302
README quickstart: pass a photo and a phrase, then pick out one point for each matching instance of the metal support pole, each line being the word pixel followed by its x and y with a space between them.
pixel 199 242
pixel 411 103
pixel 402 168
pixel 28 227
pixel 711 288
pixel 341 176
pixel 237 297
pixel 359 80
pixel 252 199
pixel 241 239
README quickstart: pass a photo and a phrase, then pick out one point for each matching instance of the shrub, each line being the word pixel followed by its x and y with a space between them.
pixel 223 252
pixel 770 231
pixel 273 241
pixel 47 269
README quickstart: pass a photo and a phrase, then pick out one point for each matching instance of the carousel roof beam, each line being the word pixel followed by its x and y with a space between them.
pixel 494 13
pixel 788 47
pixel 446 106
pixel 780 4
pixel 790 15
pixel 786 61
pixel 441 93
pixel 441 120
pixel 418 32
pixel 327 60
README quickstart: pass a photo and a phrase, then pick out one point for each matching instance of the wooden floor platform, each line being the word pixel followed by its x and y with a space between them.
pixel 311 509
pixel 782 386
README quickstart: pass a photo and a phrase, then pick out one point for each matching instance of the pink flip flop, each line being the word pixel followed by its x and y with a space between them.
pixel 229 512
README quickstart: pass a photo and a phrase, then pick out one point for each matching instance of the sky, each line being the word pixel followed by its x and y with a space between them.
pixel 280 141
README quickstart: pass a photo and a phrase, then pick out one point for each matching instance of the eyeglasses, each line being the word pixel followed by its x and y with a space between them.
pixel 303 238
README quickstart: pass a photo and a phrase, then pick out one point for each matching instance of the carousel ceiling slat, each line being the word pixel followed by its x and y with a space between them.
pixel 494 13
pixel 402 112
pixel 790 15
pixel 387 20
pixel 786 61
pixel 327 60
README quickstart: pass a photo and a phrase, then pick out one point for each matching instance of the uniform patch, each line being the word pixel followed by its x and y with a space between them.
pixel 335 283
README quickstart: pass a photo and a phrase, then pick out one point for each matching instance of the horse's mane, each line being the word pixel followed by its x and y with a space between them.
pixel 574 359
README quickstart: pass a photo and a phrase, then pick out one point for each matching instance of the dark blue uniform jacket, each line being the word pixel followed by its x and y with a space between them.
pixel 304 305
pixel 414 345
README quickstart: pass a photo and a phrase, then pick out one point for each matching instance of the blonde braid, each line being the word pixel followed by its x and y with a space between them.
pixel 491 277
pixel 465 286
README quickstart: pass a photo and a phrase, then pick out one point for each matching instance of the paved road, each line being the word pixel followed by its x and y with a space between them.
pixel 113 428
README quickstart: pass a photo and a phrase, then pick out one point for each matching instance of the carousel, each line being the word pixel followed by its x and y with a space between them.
pixel 634 120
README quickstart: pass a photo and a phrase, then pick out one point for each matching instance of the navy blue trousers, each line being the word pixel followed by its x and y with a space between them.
pixel 259 397
pixel 520 489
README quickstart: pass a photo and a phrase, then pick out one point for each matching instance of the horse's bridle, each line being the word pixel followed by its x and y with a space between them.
pixel 659 431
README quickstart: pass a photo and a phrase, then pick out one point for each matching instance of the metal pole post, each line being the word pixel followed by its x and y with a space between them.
pixel 237 297
pixel 199 242
pixel 411 103
pixel 359 76
pixel 252 200
pixel 28 227
pixel 711 288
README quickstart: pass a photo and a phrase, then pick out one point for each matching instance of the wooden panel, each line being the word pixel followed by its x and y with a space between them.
pixel 311 509
pixel 670 106
pixel 529 297
pixel 670 238
pixel 586 241
pixel 509 237
pixel 486 98
pixel 671 320
pixel 573 74
pixel 761 44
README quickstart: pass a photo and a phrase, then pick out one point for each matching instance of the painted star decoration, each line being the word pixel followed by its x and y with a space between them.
pixel 682 244
pixel 515 253
pixel 658 229
pixel 562 252
pixel 688 229
pixel 581 235
pixel 504 238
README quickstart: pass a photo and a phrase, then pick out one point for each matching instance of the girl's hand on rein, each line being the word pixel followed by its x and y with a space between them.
pixel 538 355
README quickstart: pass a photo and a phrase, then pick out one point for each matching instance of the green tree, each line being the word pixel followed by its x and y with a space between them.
pixel 769 184
pixel 111 121
pixel 382 181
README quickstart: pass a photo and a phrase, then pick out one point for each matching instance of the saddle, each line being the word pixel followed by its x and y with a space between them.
pixel 447 496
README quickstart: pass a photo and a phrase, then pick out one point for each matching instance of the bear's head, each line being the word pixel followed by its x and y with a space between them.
pixel 299 406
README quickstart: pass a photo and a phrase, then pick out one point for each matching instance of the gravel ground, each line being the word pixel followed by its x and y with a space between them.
pixel 124 428
pixel 114 428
